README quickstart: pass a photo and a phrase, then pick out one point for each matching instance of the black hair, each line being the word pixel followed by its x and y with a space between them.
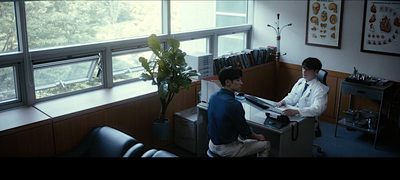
pixel 230 73
pixel 312 63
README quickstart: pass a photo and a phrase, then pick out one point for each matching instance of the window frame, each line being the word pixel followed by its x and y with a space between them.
pixel 53 60
pixel 16 63
pixel 93 63
pixel 24 59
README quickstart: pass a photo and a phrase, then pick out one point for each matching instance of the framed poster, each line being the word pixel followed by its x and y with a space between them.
pixel 381 27
pixel 324 23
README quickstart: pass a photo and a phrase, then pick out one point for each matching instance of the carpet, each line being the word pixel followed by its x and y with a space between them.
pixel 352 143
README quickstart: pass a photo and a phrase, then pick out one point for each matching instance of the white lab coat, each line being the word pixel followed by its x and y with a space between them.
pixel 314 100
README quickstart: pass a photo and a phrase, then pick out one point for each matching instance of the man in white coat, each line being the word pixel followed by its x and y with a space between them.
pixel 308 95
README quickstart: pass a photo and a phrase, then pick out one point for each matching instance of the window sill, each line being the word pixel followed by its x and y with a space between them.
pixel 58 109
pixel 96 100
pixel 20 119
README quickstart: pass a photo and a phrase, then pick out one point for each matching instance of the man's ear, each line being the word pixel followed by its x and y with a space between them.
pixel 228 82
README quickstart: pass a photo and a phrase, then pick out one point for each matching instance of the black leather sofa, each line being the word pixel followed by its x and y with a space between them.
pixel 109 142
pixel 154 153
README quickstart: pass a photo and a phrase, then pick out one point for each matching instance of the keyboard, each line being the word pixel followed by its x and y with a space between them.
pixel 256 101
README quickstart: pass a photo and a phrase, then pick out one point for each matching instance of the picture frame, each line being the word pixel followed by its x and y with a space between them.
pixel 324 23
pixel 381 27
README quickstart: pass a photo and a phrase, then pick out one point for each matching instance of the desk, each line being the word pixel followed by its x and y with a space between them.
pixel 281 141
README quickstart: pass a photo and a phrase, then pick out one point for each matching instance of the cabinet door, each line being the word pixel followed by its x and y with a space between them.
pixel 185 134
pixel 35 142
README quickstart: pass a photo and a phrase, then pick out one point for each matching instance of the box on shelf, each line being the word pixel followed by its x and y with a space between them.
pixel 362 118
pixel 202 63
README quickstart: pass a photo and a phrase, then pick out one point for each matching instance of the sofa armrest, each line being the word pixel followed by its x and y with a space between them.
pixel 135 151
pixel 154 153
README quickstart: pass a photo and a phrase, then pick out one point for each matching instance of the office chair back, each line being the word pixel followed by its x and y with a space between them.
pixel 321 76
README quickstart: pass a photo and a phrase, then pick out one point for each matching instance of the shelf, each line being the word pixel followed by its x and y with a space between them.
pixel 371 92
pixel 353 126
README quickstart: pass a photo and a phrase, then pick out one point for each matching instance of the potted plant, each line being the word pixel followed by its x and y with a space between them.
pixel 169 72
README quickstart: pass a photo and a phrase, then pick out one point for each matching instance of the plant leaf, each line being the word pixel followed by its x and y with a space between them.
pixel 155 44
pixel 173 87
pixel 174 44
pixel 145 63
pixel 163 90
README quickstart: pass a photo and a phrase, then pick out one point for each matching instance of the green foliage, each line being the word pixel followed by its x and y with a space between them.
pixel 168 71
pixel 62 23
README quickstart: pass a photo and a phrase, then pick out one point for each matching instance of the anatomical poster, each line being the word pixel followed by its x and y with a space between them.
pixel 324 20
pixel 381 27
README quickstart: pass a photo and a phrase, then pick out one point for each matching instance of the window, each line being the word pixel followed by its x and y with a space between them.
pixel 231 13
pixel 62 23
pixel 126 65
pixel 72 45
pixel 8 32
pixel 8 81
pixel 67 76
pixel 231 43
pixel 192 46
pixel 196 15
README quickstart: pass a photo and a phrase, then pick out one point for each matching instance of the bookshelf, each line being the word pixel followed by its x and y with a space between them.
pixel 245 59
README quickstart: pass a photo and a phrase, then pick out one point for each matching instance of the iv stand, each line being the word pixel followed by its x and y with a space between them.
pixel 278 52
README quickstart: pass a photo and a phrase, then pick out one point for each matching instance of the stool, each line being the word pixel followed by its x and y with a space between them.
pixel 210 154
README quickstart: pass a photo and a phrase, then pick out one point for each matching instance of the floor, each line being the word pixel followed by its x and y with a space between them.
pixel 347 143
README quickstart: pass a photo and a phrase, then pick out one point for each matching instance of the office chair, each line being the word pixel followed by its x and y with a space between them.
pixel 321 76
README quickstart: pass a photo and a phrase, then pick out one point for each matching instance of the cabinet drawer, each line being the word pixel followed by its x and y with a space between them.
pixel 185 134
pixel 362 91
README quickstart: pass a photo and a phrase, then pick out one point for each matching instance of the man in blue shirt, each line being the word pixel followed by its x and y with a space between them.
pixel 226 121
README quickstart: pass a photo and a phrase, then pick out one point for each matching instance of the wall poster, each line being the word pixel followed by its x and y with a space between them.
pixel 381 27
pixel 324 21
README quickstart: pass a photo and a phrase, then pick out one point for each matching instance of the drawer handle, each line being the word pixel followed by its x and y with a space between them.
pixel 361 92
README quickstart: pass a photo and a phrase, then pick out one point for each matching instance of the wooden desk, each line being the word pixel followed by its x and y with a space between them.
pixel 282 144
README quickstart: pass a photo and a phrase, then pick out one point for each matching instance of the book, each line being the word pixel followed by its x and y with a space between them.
pixel 245 59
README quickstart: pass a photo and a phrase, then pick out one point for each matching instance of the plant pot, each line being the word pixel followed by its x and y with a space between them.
pixel 161 130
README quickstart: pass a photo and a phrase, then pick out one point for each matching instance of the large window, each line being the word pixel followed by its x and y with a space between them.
pixel 8 32
pixel 230 13
pixel 51 49
pixel 195 15
pixel 231 43
pixel 61 23
pixel 194 46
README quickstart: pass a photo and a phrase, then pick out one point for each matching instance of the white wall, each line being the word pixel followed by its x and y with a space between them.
pixel 293 39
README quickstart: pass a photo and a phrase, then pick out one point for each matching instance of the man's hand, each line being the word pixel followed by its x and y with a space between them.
pixel 281 103
pixel 290 112
pixel 261 137
pixel 258 137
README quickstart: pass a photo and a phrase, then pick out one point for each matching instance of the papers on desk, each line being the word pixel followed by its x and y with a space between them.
pixel 272 110
pixel 278 110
